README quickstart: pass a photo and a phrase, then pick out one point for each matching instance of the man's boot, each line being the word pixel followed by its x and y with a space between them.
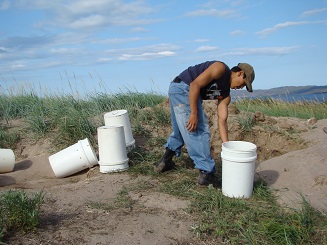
pixel 166 163
pixel 206 179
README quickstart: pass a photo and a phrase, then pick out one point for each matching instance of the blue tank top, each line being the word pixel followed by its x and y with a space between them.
pixel 216 89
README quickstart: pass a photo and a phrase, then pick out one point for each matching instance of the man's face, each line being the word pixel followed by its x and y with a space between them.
pixel 239 80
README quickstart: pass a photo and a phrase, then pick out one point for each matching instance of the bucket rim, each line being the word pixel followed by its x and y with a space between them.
pixel 105 169
pixel 131 144
pixel 115 113
pixel 253 146
pixel 89 152
pixel 101 163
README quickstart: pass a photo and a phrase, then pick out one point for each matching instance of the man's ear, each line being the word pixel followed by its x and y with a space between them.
pixel 241 73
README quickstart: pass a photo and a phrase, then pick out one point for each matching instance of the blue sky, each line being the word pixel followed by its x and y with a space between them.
pixel 87 46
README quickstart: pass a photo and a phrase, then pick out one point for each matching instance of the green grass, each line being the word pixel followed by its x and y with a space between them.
pixel 259 220
pixel 8 139
pixel 279 108
pixel 19 211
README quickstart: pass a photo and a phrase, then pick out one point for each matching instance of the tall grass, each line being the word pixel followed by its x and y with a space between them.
pixel 65 118
pixel 280 108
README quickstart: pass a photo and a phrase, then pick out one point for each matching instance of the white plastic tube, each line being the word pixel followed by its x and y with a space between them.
pixel 112 149
pixel 73 159
pixel 120 117
pixel 7 160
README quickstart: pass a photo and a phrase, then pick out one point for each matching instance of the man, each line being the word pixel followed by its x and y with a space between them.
pixel 211 80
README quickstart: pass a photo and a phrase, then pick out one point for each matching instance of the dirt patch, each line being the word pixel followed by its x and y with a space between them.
pixel 291 158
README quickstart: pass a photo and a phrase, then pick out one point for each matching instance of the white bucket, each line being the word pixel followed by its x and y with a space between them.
pixel 7 160
pixel 120 117
pixel 73 159
pixel 112 149
pixel 238 163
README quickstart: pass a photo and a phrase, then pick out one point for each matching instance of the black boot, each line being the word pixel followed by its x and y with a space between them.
pixel 206 179
pixel 166 163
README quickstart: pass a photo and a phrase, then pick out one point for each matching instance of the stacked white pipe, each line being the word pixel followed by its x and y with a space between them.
pixel 115 140
pixel 120 117
pixel 112 149
pixel 7 160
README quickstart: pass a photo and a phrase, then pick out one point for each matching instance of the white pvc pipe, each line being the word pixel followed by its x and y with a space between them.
pixel 73 159
pixel 112 149
pixel 120 117
pixel 7 160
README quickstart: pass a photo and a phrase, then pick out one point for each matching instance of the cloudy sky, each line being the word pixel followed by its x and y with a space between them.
pixel 113 45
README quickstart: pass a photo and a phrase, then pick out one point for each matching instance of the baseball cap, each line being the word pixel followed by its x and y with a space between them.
pixel 249 72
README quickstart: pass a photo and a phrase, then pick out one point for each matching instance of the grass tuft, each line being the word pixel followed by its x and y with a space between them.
pixel 19 211
pixel 122 200
pixel 8 139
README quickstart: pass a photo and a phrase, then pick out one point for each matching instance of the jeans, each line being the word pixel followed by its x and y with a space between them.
pixel 197 142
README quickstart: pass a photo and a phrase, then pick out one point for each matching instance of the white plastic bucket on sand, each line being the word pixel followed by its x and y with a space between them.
pixel 120 117
pixel 73 159
pixel 7 160
pixel 112 149
pixel 238 164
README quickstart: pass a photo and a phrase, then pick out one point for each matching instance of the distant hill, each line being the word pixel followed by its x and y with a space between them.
pixel 281 91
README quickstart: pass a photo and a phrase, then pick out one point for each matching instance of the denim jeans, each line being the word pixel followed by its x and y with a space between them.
pixel 197 142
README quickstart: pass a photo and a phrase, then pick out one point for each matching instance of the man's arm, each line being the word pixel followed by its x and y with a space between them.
pixel 222 111
pixel 214 71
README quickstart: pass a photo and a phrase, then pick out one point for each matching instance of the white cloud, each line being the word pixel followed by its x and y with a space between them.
pixel 110 41
pixel 141 53
pixel 313 12
pixel 201 40
pixel 139 29
pixel 212 12
pixel 65 51
pixel 206 49
pixel 88 21
pixel 236 33
pixel 146 56
pixel 104 60
pixel 86 14
pixel 3 50
pixel 269 51
pixel 17 66
pixel 279 26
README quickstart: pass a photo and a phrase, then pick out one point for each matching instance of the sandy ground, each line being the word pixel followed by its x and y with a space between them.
pixel 301 172
pixel 291 167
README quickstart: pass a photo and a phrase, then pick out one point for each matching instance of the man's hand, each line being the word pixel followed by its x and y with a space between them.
pixel 192 123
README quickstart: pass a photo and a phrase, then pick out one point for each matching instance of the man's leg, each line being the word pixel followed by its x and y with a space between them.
pixel 175 141
pixel 197 142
